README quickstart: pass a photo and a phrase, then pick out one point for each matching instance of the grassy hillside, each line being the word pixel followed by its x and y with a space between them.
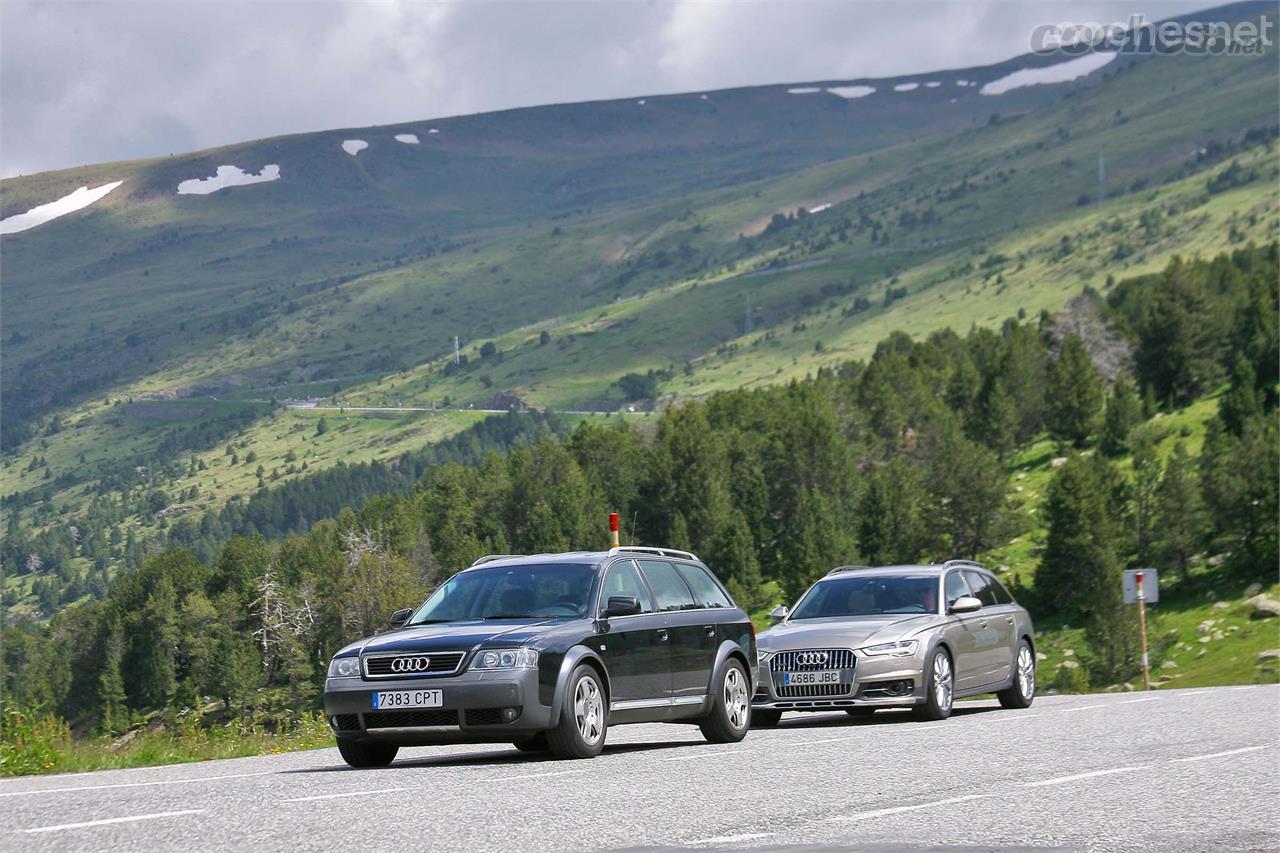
pixel 151 341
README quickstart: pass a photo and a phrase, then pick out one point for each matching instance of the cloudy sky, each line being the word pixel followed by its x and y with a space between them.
pixel 106 80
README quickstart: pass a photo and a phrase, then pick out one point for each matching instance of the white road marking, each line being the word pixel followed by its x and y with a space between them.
pixel 1079 708
pixel 1245 687
pixel 731 839
pixel 135 784
pixel 1224 754
pixel 106 821
pixel 901 809
pixel 706 755
pixel 1062 780
pixel 1011 717
pixel 829 740
pixel 1194 693
pixel 344 794
pixel 530 776
pixel 1131 701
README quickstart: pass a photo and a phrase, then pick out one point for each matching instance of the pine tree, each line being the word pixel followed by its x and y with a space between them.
pixel 1074 394
pixel 1147 471
pixel 1179 513
pixel 1123 413
pixel 113 717
pixel 891 527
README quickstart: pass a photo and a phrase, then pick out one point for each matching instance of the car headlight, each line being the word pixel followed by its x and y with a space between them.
pixel 763 656
pixel 348 667
pixel 900 649
pixel 506 659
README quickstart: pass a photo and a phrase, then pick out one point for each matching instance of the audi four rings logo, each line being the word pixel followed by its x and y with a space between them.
pixel 410 664
pixel 811 658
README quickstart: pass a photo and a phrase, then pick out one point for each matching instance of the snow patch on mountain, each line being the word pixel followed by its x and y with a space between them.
pixel 407 138
pixel 1062 72
pixel 851 91
pixel 803 90
pixel 70 203
pixel 906 87
pixel 354 146
pixel 228 176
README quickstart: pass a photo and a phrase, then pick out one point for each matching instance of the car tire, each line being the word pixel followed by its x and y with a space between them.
pixel 584 717
pixel 537 743
pixel 1022 691
pixel 730 716
pixel 364 755
pixel 764 718
pixel 940 688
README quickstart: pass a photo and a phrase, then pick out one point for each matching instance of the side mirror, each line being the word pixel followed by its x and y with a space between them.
pixel 622 605
pixel 400 617
pixel 965 604
pixel 779 613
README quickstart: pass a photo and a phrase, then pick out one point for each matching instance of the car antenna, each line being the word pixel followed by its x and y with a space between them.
pixel 634 516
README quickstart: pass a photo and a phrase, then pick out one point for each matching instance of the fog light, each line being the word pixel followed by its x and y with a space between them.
pixel 899 688
pixel 509 714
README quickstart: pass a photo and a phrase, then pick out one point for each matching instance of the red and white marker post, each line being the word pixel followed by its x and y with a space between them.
pixel 613 530
pixel 1142 629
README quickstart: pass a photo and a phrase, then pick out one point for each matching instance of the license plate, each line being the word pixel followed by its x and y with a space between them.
pixel 824 676
pixel 385 699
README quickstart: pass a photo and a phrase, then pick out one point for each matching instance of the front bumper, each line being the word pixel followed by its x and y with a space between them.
pixel 874 682
pixel 476 707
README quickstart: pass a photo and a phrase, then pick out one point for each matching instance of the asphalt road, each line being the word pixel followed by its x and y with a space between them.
pixel 1175 770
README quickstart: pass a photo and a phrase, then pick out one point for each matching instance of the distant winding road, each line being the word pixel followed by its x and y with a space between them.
pixel 1169 770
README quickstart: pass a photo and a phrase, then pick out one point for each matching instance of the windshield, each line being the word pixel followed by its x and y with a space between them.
pixel 540 590
pixel 869 595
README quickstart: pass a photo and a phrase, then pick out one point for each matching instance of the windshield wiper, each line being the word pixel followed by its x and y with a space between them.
pixel 429 622
pixel 512 616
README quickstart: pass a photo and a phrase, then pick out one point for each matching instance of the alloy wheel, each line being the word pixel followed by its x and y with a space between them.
pixel 942 686
pixel 588 710
pixel 1026 672
pixel 736 702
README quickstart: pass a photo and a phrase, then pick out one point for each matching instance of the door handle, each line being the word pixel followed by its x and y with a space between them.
pixel 982 623
pixel 662 635
pixel 1009 619
pixel 711 630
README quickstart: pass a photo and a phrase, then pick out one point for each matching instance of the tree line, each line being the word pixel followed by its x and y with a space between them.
pixel 902 458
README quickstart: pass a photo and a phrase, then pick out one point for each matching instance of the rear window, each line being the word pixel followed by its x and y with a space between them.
pixel 981 586
pixel 706 591
pixel 669 590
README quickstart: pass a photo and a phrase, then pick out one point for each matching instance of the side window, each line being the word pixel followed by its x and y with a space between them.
pixel 981 586
pixel 955 588
pixel 624 579
pixel 1002 594
pixel 670 592
pixel 706 591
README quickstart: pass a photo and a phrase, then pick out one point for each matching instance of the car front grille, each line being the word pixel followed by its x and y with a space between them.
pixel 346 722
pixel 411 719
pixel 438 663
pixel 790 661
pixel 483 716
pixel 810 660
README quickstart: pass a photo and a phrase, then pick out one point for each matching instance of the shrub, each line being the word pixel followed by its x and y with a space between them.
pixel 30 743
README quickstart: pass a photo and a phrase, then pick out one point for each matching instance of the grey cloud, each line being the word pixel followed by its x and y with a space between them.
pixel 87 82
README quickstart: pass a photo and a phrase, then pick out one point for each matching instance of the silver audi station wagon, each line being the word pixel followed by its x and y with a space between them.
pixel 900 636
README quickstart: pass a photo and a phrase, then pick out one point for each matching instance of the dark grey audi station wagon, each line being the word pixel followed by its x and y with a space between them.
pixel 546 652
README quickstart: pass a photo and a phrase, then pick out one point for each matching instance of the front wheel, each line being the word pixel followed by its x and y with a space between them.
pixel 939 690
pixel 1023 690
pixel 730 715
pixel 583 721
pixel 362 755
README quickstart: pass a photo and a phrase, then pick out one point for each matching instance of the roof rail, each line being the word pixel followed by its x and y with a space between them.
pixel 838 569
pixel 949 563
pixel 661 552
pixel 489 558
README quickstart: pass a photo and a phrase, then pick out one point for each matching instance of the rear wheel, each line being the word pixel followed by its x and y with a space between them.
pixel 730 715
pixel 367 754
pixel 581 728
pixel 765 718
pixel 537 743
pixel 940 688
pixel 1023 690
